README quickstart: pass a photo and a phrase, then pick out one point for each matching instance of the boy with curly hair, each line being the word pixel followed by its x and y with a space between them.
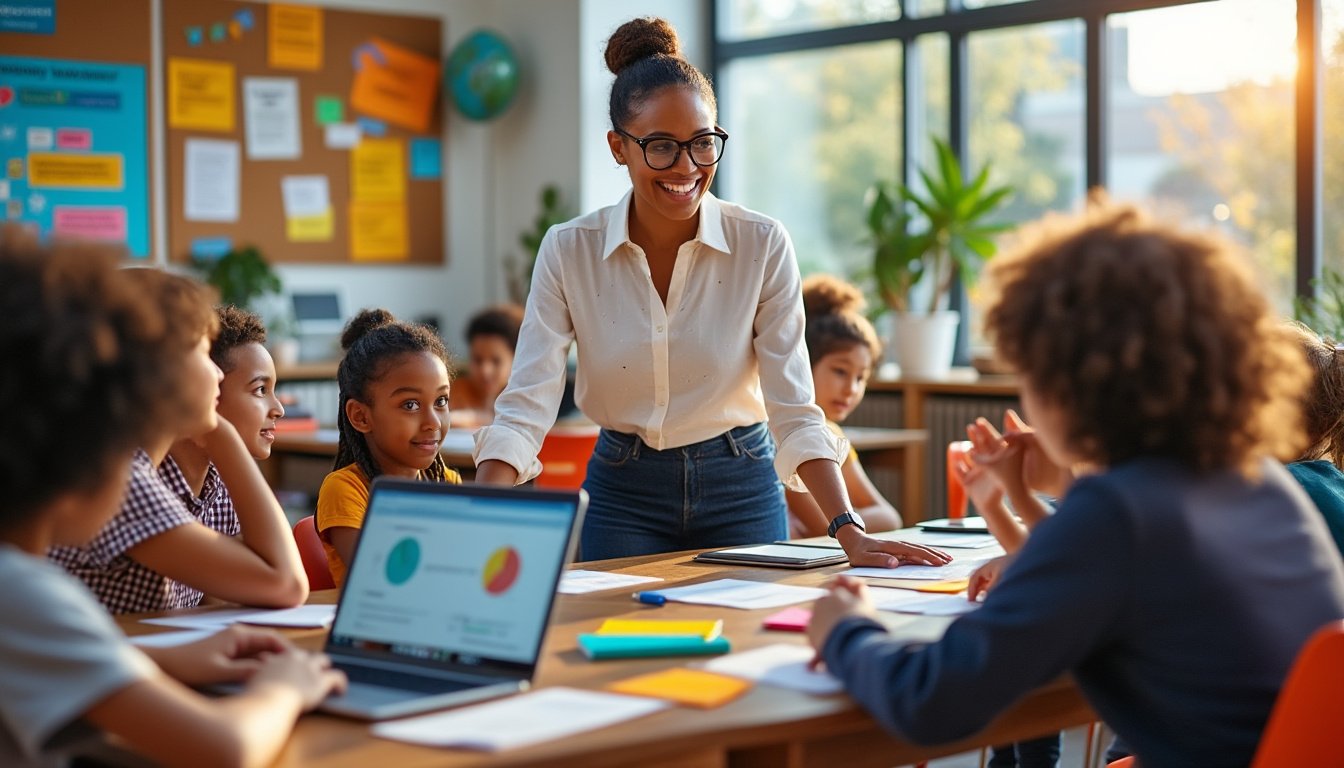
pixel 1178 579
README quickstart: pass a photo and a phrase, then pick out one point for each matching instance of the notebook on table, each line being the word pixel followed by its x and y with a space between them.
pixel 448 594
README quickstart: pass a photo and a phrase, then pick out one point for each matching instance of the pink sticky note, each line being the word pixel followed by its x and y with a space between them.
pixel 89 222
pixel 789 620
pixel 74 138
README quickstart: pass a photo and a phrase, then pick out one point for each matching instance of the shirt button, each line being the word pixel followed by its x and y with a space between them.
pixel 659 329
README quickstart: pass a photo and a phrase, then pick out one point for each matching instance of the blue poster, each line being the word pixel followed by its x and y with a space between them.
pixel 74 150
pixel 32 17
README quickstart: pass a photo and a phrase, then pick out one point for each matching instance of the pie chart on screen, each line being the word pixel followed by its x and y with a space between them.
pixel 501 570
pixel 402 561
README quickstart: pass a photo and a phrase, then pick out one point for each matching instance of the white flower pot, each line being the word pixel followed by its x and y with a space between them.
pixel 924 343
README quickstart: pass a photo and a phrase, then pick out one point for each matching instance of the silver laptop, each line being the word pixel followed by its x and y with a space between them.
pixel 449 593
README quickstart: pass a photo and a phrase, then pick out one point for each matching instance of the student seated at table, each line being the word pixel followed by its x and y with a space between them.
pixel 246 400
pixel 843 349
pixel 394 388
pixel 157 554
pixel 492 338
pixel 1318 467
pixel 86 356
pixel 1178 581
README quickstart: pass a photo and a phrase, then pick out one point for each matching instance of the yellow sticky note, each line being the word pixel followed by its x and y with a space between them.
pixel 395 84
pixel 692 687
pixel 74 171
pixel 200 94
pixel 310 229
pixel 378 171
pixel 378 231
pixel 708 629
pixel 952 586
pixel 294 37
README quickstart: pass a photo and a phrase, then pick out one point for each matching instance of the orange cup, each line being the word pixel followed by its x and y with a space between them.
pixel 956 492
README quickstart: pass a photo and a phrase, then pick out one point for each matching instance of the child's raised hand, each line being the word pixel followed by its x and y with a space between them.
pixel 1000 457
pixel 229 656
pixel 1038 471
pixel 848 597
pixel 983 488
pixel 986 576
pixel 308 674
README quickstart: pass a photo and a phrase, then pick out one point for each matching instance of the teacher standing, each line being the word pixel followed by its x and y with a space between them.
pixel 689 319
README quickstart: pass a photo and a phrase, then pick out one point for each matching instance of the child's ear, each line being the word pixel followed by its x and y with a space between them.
pixel 358 415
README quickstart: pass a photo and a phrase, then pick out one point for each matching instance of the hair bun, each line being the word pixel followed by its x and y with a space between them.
pixel 640 38
pixel 362 323
pixel 829 295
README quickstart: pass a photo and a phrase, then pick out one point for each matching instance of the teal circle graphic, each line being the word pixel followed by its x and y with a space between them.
pixel 402 561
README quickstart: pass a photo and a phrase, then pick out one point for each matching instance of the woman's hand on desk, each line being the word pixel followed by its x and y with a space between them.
pixel 866 551
pixel 848 597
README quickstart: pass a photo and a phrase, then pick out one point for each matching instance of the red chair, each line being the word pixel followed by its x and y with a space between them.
pixel 1301 729
pixel 564 457
pixel 312 554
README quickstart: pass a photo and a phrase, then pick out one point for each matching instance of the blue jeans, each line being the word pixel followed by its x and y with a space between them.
pixel 717 493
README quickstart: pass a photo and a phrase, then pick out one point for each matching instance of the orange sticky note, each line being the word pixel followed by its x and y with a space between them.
pixel 950 587
pixel 693 687
pixel 395 84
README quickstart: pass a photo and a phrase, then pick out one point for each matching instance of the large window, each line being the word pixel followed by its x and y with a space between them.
pixel 1194 107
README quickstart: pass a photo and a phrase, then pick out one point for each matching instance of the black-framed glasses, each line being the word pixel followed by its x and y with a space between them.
pixel 661 153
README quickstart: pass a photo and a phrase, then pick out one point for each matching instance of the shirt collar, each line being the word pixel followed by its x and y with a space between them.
pixel 709 233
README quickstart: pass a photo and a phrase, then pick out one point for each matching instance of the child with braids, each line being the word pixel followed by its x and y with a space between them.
pixel 393 413
pixel 842 349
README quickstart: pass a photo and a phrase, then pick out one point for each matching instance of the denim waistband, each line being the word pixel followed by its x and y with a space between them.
pixel 734 439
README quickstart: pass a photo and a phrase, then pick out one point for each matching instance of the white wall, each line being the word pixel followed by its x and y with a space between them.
pixel 552 134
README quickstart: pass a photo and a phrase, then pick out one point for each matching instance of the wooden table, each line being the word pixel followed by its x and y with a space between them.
pixel 766 727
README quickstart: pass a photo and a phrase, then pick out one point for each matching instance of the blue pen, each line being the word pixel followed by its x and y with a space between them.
pixel 649 598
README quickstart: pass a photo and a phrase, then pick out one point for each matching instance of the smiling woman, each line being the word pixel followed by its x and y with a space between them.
pixel 689 318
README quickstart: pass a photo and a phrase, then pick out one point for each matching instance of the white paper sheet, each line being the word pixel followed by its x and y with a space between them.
pixel 737 593
pixel 579 582
pixel 924 603
pixel 915 536
pixel 303 616
pixel 305 195
pixel 785 666
pixel 170 639
pixel 959 568
pixel 521 720
pixel 343 135
pixel 210 176
pixel 271 107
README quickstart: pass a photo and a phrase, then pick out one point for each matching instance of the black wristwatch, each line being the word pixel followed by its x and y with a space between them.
pixel 841 520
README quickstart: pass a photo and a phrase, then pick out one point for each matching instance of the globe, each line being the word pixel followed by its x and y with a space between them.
pixel 483 75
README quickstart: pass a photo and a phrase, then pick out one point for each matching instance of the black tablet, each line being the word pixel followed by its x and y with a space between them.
pixel 780 554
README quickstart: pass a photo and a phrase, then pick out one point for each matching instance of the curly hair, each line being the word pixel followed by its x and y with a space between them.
pixel 835 321
pixel 1152 341
pixel 1324 405
pixel 645 55
pixel 84 360
pixel 237 328
pixel 373 340
pixel 502 320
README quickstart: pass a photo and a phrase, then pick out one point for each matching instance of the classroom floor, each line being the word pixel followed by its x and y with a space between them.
pixel 1071 755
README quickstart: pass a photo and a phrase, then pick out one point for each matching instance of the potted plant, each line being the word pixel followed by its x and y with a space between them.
pixel 920 242
pixel 553 211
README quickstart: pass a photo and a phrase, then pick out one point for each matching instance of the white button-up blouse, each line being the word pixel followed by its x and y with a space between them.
pixel 726 351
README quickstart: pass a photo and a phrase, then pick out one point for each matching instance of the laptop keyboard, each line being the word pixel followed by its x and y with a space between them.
pixel 384 678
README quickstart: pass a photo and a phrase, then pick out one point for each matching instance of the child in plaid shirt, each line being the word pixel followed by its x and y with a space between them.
pixel 90 363
pixel 156 554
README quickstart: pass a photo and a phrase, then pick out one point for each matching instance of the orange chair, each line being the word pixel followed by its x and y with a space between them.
pixel 312 554
pixel 564 457
pixel 1301 729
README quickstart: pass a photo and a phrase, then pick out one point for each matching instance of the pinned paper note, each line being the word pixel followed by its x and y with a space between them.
pixel 272 109
pixel 305 195
pixel 378 171
pixel 210 176
pixel 371 127
pixel 426 158
pixel 378 231
pixel 692 687
pixel 217 32
pixel 396 84
pixel 343 136
pixel 195 36
pixel 294 37
pixel 210 247
pixel 200 94
pixel 310 229
pixel 328 110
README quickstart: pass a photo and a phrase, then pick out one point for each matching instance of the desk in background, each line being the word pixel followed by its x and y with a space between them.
pixel 766 727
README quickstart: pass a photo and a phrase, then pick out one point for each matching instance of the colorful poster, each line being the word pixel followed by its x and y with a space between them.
pixel 378 171
pixel 378 231
pixel 395 84
pixel 271 105
pixel 200 94
pixel 294 36
pixel 73 140
pixel 210 175
pixel 28 17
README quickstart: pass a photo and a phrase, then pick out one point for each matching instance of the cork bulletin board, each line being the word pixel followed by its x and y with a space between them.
pixel 313 134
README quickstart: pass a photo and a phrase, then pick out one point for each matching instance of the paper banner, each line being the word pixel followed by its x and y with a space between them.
pixel 295 37
pixel 397 85
pixel 200 94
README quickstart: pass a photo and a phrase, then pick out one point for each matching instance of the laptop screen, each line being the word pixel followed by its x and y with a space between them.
pixel 457 574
